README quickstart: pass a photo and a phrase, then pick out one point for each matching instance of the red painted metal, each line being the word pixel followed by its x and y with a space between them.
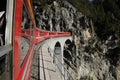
pixel 34 35
pixel 43 35
pixel 17 38
pixel 22 72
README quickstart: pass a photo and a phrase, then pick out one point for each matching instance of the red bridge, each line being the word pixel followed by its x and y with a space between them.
pixel 19 36
pixel 41 35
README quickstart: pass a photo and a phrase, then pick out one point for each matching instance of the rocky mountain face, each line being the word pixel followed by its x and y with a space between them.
pixel 91 58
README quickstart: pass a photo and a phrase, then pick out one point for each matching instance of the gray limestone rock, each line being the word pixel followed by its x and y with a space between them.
pixel 89 59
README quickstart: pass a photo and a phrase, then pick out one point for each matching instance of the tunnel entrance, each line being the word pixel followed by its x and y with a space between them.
pixel 58 57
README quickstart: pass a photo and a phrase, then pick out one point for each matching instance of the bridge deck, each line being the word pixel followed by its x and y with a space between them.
pixel 43 68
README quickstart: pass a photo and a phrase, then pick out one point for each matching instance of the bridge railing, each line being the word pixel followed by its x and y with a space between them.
pixel 39 32
pixel 66 75
pixel 42 35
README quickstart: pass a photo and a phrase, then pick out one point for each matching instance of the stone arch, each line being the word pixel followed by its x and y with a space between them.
pixel 68 41
pixel 66 52
pixel 67 56
pixel 57 48
pixel 57 57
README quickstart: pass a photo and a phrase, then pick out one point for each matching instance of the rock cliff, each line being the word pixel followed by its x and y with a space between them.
pixel 91 58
